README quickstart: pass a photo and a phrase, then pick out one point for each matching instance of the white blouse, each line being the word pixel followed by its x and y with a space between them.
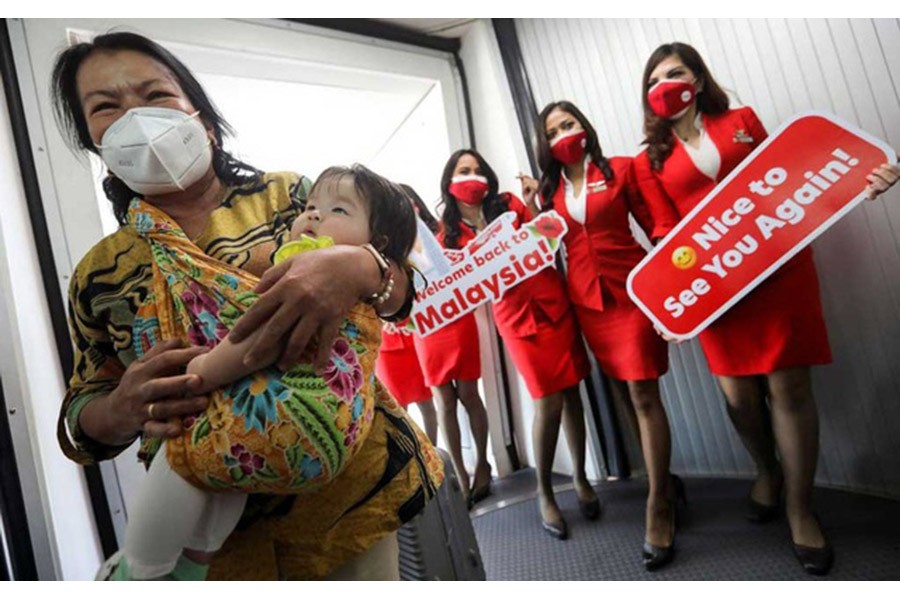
pixel 577 206
pixel 705 156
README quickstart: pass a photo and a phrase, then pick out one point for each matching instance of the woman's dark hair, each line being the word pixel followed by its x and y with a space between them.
pixel 550 167
pixel 70 114
pixel 422 209
pixel 392 220
pixel 493 205
pixel 712 100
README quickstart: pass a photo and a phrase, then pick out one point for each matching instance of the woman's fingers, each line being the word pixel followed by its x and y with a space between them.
pixel 300 338
pixel 880 179
pixel 170 361
pixel 173 427
pixel 328 334
pixel 178 386
pixel 166 409
pixel 666 337
pixel 275 330
pixel 272 276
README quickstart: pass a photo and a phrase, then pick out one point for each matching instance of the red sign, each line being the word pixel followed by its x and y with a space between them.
pixel 497 260
pixel 795 185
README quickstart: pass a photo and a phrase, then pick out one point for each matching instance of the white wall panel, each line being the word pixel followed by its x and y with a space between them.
pixel 779 67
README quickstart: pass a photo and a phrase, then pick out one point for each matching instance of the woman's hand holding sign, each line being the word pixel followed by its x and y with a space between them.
pixel 882 178
pixel 529 192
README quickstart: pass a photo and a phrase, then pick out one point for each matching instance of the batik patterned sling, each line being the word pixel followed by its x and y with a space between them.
pixel 271 431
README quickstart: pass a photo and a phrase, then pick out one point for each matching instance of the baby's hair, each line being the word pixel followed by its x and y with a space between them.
pixel 392 221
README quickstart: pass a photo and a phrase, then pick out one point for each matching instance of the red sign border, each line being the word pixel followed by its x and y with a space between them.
pixel 890 157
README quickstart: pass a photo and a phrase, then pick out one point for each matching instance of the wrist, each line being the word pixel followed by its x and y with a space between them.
pixel 101 421
pixel 386 285
pixel 369 273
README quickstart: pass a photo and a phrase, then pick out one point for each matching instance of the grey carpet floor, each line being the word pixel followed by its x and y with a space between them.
pixel 713 542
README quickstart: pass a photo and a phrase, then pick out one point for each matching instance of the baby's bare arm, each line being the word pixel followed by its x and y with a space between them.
pixel 224 364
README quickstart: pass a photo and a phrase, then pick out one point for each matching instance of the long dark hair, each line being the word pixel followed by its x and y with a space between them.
pixel 712 100
pixel 552 168
pixel 493 205
pixel 70 114
pixel 392 220
pixel 430 221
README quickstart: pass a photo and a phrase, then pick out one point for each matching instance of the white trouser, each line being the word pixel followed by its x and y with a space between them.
pixel 170 515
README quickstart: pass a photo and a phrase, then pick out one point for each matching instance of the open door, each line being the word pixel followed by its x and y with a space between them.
pixel 300 98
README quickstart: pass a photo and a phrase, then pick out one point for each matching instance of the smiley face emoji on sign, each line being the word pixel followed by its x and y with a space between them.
pixel 684 257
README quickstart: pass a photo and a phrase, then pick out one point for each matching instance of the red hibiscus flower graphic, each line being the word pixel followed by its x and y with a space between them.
pixel 547 226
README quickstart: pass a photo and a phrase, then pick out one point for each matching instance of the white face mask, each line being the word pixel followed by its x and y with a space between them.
pixel 156 150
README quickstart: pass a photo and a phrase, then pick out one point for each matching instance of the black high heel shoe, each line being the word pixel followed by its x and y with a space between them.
pixel 760 513
pixel 815 561
pixel 482 492
pixel 590 509
pixel 656 557
pixel 558 529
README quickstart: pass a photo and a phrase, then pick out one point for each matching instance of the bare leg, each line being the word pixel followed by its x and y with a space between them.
pixel 750 416
pixel 656 447
pixel 471 400
pixel 573 420
pixel 545 432
pixel 429 416
pixel 446 414
pixel 796 426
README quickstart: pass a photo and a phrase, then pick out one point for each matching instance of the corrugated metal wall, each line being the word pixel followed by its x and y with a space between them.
pixel 779 67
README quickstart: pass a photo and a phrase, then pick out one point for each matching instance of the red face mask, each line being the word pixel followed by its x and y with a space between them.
pixel 469 189
pixel 569 149
pixel 671 98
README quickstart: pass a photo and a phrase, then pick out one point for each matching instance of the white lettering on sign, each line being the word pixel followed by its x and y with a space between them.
pixel 498 259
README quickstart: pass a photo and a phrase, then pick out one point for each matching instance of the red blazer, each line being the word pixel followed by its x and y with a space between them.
pixel 601 252
pixel 672 192
pixel 539 298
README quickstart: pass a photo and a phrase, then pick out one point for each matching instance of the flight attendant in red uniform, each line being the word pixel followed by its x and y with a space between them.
pixel 537 326
pixel 765 344
pixel 451 363
pixel 595 195
pixel 397 365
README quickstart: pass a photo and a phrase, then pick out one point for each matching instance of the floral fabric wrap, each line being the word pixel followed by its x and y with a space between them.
pixel 271 431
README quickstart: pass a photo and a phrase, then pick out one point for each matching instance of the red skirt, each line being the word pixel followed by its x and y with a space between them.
pixel 451 353
pixel 401 374
pixel 551 360
pixel 624 342
pixel 777 326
